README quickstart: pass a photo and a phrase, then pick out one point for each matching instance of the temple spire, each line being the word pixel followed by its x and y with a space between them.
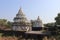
pixel 38 18
pixel 20 12
pixel 20 22
pixel 20 16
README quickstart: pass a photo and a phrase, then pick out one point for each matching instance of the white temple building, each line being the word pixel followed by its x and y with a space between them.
pixel 20 22
pixel 37 23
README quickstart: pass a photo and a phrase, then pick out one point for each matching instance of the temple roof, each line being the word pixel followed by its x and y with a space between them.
pixel 20 16
pixel 39 32
pixel 38 18
pixel 20 11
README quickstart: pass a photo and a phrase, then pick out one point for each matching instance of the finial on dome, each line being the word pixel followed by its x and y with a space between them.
pixel 38 18
pixel 20 11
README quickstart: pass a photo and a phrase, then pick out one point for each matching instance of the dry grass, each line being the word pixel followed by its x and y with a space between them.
pixel 8 38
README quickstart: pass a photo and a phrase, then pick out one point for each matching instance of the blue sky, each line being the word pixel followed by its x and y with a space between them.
pixel 46 9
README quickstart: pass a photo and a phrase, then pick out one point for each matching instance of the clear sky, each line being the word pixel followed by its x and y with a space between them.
pixel 46 9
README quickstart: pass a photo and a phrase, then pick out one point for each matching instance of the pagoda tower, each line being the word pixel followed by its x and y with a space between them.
pixel 37 24
pixel 20 22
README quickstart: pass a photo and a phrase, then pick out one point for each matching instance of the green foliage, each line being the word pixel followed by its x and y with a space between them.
pixel 58 19
pixel 9 24
pixel 49 25
pixel 4 22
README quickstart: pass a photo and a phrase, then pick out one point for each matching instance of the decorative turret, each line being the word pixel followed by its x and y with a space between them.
pixel 39 22
pixel 20 22
pixel 20 17
pixel 38 18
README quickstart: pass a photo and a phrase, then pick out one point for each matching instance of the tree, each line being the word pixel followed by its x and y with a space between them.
pixel 57 19
pixel 9 24
pixel 49 25
pixel 4 22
